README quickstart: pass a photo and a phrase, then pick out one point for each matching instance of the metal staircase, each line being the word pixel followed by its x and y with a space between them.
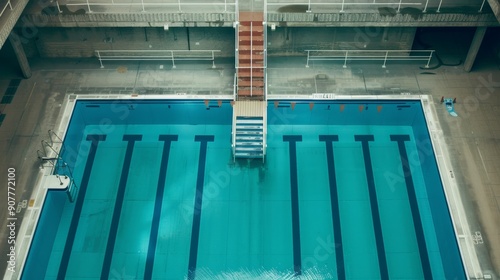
pixel 250 105
pixel 249 129
pixel 249 137
pixel 251 55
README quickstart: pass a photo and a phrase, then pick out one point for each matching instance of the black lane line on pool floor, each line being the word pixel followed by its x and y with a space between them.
pixel 294 187
pixel 334 202
pixel 131 139
pixel 160 190
pixel 68 247
pixel 377 227
pixel 412 197
pixel 198 200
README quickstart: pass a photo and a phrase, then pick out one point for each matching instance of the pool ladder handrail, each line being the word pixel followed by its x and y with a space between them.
pixel 56 162
pixel 43 155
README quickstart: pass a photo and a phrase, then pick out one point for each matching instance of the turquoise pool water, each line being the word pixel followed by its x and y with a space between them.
pixel 349 189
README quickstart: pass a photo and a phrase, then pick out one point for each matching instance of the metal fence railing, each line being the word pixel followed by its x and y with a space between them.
pixel 225 6
pixel 368 55
pixel 156 55
pixel 342 5
pixel 8 4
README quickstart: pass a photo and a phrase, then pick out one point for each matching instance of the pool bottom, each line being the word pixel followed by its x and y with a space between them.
pixel 245 210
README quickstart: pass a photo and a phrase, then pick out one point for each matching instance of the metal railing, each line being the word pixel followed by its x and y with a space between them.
pixel 342 4
pixel 50 156
pixel 176 5
pixel 369 55
pixel 156 55
pixel 264 24
pixel 8 4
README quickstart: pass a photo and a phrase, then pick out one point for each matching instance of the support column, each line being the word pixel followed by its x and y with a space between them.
pixel 21 56
pixel 474 48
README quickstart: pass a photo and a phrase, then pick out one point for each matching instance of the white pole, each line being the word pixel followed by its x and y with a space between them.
pixel 482 5
pixel 142 1
pixel 425 8
pixel 88 5
pixel 385 59
pixel 173 62
pixel 345 60
pixel 57 4
pixel 225 5
pixel 429 60
pixel 309 7
pixel 100 60
pixel 10 5
pixel 180 6
pixel 439 7
pixel 213 60
pixel 342 9
pixel 399 6
pixel 307 63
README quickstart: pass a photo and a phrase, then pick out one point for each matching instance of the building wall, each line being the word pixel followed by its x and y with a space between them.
pixel 294 41
pixel 284 41
pixel 82 42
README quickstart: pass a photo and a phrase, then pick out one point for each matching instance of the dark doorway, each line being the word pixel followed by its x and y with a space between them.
pixel 450 43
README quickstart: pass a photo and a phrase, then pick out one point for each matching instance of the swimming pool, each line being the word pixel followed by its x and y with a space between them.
pixel 349 189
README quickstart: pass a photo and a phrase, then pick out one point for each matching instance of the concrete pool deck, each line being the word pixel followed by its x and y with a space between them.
pixel 473 138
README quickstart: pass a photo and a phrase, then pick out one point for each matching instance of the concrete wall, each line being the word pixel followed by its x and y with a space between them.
pixel 295 40
pixel 82 42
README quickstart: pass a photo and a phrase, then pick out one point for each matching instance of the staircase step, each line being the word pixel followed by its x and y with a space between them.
pixel 255 39
pixel 255 29
pixel 258 64
pixel 255 47
pixel 249 149
pixel 248 145
pixel 251 16
pixel 245 118
pixel 247 83
pixel 248 128
pixel 249 155
pixel 255 73
pixel 247 92
pixel 249 57
pixel 249 138
pixel 248 133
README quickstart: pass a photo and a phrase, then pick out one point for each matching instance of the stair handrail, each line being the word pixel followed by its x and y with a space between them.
pixel 233 131
pixel 251 58
pixel 264 27
pixel 235 86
